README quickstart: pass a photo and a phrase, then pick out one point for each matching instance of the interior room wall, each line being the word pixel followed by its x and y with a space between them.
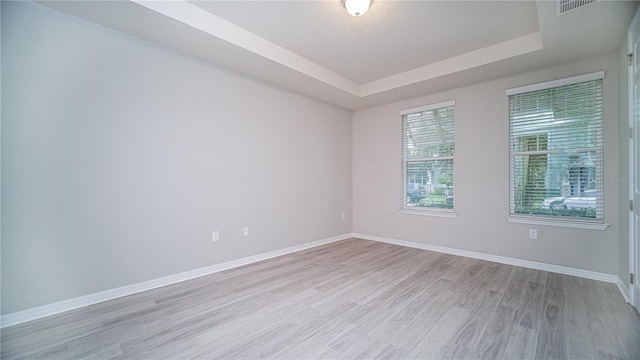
pixel 120 157
pixel 482 177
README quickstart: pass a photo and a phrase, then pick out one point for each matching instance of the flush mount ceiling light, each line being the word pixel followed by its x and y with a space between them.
pixel 357 7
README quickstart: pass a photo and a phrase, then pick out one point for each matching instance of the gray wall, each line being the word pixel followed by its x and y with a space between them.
pixel 482 177
pixel 119 157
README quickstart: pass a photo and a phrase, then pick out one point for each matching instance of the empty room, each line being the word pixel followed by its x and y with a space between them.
pixel 320 179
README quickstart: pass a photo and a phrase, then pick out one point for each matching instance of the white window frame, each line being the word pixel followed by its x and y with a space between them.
pixel 424 211
pixel 580 223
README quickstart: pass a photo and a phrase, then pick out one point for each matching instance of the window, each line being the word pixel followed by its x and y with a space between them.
pixel 428 143
pixel 556 150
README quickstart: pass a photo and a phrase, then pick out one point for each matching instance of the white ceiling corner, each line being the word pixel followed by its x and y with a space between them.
pixel 211 24
pixel 398 49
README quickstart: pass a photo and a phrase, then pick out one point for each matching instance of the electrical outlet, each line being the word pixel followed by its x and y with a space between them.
pixel 215 235
pixel 343 216
pixel 533 234
pixel 246 231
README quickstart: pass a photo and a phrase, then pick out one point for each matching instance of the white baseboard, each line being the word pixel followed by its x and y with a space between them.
pixel 66 305
pixel 499 259
pixel 624 290
pixel 75 303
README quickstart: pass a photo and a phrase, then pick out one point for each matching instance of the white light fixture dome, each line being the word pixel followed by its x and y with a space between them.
pixel 357 7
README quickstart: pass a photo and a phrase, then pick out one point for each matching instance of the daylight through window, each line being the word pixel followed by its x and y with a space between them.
pixel 556 150
pixel 428 157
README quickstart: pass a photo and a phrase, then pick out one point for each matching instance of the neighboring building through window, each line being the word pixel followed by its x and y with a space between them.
pixel 556 149
pixel 428 143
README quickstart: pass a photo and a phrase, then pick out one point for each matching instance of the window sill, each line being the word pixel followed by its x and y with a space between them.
pixel 576 224
pixel 428 212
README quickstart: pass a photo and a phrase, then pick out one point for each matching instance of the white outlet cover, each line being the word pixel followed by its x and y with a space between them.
pixel 246 231
pixel 533 234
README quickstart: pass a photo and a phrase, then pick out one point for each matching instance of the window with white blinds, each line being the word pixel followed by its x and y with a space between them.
pixel 428 156
pixel 556 149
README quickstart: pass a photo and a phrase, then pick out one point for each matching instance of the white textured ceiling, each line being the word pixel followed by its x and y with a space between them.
pixel 398 49
pixel 392 37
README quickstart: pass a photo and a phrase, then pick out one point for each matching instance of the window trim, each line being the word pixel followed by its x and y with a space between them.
pixel 598 75
pixel 579 223
pixel 427 107
pixel 562 222
pixel 442 213
pixel 423 211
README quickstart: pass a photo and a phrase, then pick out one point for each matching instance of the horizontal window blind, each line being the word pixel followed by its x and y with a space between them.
pixel 428 157
pixel 556 150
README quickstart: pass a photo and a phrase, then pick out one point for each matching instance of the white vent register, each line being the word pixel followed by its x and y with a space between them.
pixel 564 6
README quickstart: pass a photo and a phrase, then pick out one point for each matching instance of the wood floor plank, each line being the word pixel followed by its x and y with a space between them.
pixel 424 349
pixel 422 314
pixel 497 274
pixel 521 343
pixel 515 288
pixel 532 301
pixel 450 323
pixel 352 299
pixel 109 353
pixel 552 335
pixel 493 341
pixel 315 332
pixel 481 320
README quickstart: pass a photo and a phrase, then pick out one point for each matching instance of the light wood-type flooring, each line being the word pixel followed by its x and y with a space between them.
pixel 353 299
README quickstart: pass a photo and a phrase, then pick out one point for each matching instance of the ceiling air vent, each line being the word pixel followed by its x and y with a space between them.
pixel 564 6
